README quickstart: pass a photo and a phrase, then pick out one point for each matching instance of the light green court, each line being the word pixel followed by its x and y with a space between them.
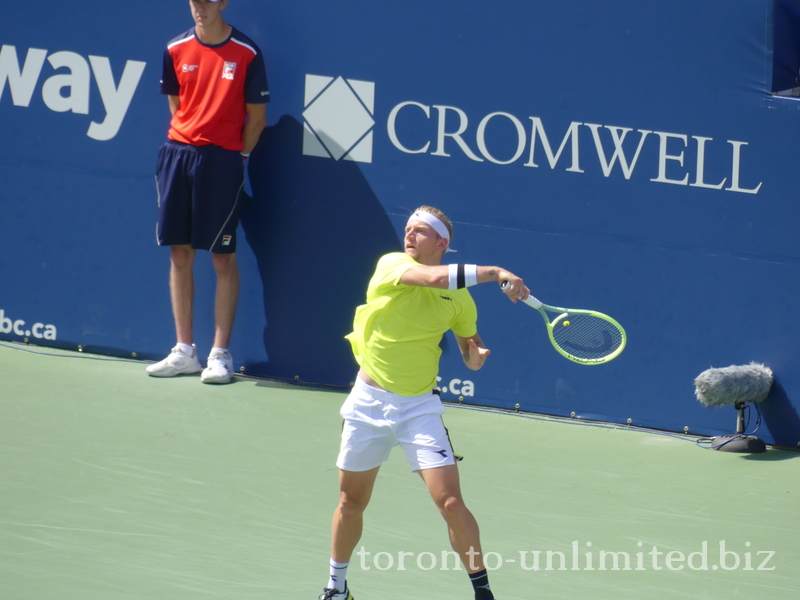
pixel 115 485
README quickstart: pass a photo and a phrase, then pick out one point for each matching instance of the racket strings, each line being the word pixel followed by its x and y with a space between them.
pixel 586 336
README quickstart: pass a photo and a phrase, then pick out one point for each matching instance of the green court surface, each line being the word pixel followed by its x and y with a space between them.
pixel 117 485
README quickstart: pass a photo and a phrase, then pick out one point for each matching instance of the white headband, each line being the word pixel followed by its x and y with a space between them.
pixel 434 222
pixel 431 220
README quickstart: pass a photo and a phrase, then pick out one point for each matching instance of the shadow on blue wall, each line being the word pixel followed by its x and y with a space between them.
pixel 786 45
pixel 779 415
pixel 316 229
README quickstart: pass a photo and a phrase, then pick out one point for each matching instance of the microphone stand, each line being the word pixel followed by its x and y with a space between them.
pixel 739 441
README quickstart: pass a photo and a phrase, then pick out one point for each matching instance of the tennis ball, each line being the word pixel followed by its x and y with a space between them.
pixel 566 323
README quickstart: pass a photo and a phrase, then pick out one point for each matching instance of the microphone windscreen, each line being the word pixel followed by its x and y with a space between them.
pixel 728 385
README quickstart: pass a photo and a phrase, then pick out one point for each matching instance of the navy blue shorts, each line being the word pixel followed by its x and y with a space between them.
pixel 199 188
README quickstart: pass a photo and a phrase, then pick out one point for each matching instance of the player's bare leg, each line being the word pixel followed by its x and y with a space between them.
pixel 219 367
pixel 182 360
pixel 355 491
pixel 445 488
pixel 227 296
pixel 181 285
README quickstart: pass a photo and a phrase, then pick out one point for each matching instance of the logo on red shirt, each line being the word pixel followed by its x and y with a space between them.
pixel 228 69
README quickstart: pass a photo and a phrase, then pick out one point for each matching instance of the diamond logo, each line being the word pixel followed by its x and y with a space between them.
pixel 338 118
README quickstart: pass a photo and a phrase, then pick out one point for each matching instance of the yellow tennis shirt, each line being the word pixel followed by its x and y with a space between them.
pixel 396 334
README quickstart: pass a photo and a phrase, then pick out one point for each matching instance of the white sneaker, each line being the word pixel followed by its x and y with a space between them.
pixel 177 363
pixel 219 369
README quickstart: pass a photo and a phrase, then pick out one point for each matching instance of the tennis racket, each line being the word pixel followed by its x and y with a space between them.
pixel 586 337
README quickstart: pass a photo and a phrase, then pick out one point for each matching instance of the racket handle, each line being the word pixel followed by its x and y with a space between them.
pixel 531 301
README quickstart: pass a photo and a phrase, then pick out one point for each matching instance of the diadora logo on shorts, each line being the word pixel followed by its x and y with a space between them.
pixel 70 91
pixel 338 118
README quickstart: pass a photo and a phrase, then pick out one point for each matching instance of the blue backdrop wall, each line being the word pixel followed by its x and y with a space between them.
pixel 623 156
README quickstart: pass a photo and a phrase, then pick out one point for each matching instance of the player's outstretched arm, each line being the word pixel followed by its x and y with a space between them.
pixel 426 276
pixel 457 276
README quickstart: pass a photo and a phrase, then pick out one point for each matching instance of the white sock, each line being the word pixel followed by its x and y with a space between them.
pixel 338 575
pixel 222 350
pixel 187 349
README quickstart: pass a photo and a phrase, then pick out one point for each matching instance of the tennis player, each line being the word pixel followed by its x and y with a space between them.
pixel 216 82
pixel 412 300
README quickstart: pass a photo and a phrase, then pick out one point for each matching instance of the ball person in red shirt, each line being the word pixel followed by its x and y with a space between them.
pixel 216 82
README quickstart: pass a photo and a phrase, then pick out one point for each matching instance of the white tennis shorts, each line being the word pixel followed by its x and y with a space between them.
pixel 376 420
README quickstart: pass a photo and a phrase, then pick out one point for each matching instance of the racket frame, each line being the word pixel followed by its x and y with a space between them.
pixel 543 309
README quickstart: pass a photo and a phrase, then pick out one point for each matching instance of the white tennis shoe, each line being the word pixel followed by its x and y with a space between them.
pixel 177 363
pixel 219 369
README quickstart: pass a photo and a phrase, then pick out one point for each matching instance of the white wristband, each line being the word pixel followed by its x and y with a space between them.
pixel 452 272
pixel 460 276
pixel 470 275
